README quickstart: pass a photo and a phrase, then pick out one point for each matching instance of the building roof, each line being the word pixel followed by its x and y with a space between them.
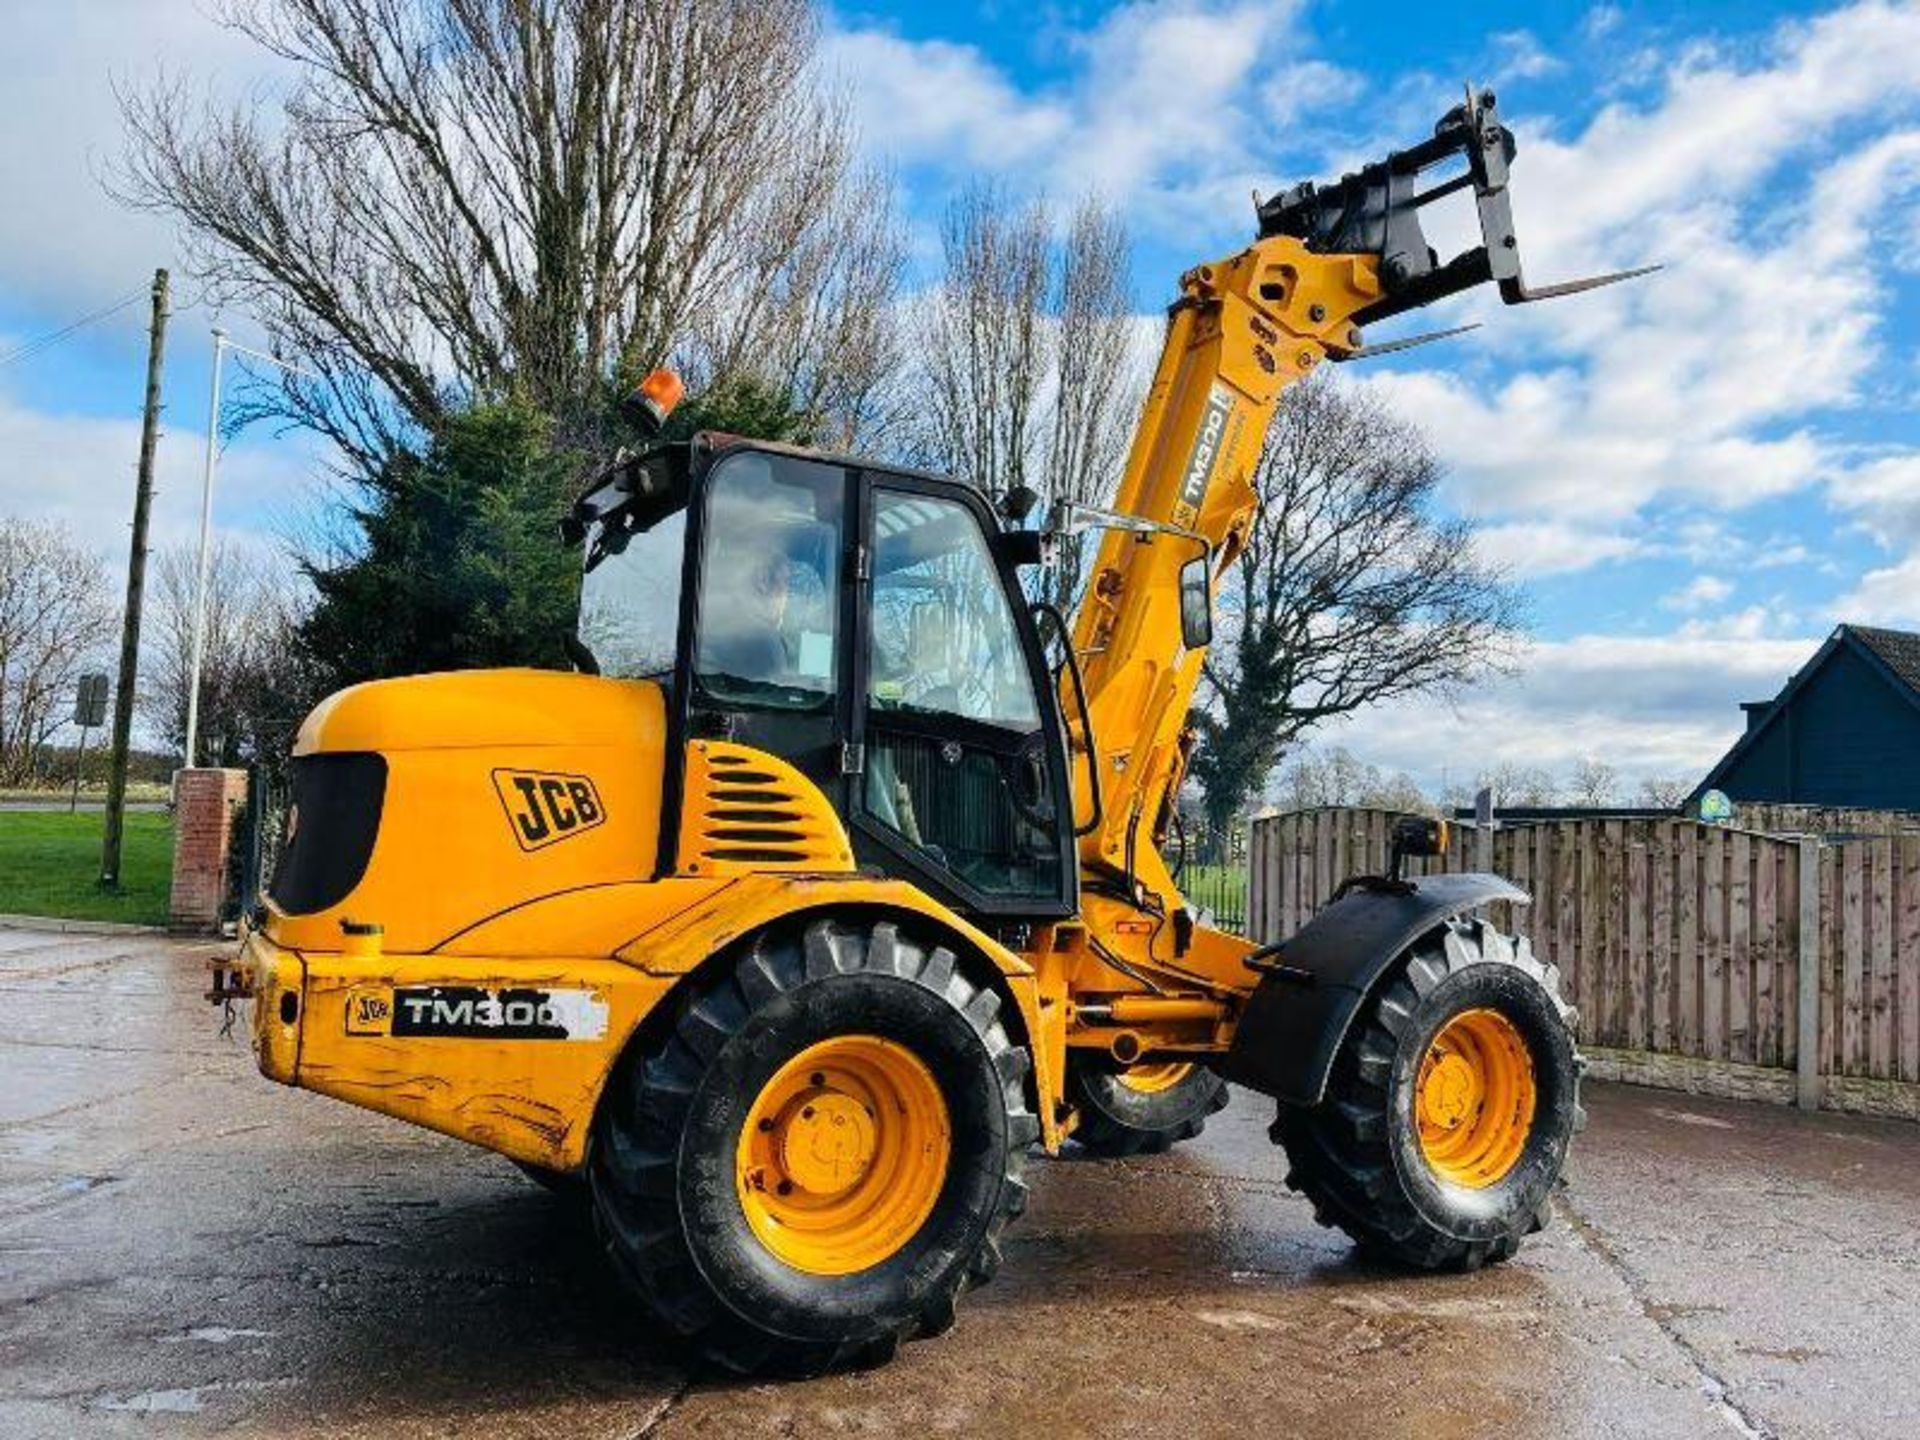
pixel 1898 650
pixel 1894 653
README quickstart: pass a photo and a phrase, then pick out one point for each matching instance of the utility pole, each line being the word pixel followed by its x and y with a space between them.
pixel 206 547
pixel 136 587
pixel 221 344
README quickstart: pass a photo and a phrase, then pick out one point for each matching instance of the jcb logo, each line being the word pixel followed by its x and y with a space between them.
pixel 369 1011
pixel 543 808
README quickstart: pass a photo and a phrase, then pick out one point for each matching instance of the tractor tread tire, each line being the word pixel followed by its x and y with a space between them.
pixel 1340 1154
pixel 634 1164
pixel 1157 1122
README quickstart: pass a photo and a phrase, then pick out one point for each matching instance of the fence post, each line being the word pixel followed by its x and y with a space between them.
pixel 1807 1090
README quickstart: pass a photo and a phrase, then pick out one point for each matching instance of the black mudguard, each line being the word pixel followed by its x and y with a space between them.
pixel 1299 1014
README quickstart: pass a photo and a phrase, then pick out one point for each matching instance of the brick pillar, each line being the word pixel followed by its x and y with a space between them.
pixel 204 802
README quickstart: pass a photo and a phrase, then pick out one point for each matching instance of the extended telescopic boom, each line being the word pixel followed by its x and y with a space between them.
pixel 1329 259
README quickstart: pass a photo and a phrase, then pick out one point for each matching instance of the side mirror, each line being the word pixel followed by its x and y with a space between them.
pixel 1018 503
pixel 1020 547
pixel 1196 604
pixel 1417 835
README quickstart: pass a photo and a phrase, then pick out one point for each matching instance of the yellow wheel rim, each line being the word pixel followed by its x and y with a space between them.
pixel 843 1155
pixel 1474 1099
pixel 1153 1079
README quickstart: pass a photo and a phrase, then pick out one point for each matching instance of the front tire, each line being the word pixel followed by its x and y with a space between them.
pixel 1447 1117
pixel 815 1159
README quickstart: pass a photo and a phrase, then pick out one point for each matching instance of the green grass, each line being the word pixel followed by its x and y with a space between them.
pixel 50 865
pixel 1219 888
pixel 1214 879
pixel 145 790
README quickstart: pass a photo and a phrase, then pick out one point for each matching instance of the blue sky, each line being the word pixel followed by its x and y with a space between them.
pixel 1694 477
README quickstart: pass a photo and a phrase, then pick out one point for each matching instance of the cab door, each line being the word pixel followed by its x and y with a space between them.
pixel 767 652
pixel 962 783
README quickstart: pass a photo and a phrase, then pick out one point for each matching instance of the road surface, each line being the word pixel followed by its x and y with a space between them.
pixel 186 1248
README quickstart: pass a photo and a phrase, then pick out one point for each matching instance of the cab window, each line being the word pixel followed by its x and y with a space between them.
pixel 958 766
pixel 770 581
pixel 943 635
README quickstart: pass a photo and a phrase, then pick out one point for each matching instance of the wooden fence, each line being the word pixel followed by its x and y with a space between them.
pixel 1688 949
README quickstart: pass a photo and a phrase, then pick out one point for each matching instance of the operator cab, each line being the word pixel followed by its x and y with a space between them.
pixel 867 625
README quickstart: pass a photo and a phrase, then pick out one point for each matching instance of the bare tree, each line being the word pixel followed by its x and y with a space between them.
pixel 1026 372
pixel 1522 785
pixel 1351 590
pixel 242 607
pixel 472 200
pixel 1096 385
pixel 248 691
pixel 1336 776
pixel 987 348
pixel 817 319
pixel 1593 783
pixel 1665 792
pixel 56 617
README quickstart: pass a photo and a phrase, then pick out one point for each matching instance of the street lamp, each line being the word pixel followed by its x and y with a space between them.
pixel 221 344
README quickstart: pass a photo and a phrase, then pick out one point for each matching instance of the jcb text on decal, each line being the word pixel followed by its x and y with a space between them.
pixel 474 1012
pixel 1206 453
pixel 543 807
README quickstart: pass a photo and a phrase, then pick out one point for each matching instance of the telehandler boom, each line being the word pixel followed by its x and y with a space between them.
pixel 792 922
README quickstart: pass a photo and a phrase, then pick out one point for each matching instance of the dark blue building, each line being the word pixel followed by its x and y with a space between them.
pixel 1844 732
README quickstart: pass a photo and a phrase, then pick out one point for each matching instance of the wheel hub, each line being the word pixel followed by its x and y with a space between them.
pixel 1451 1092
pixel 826 1141
pixel 843 1154
pixel 1474 1099
pixel 1155 1079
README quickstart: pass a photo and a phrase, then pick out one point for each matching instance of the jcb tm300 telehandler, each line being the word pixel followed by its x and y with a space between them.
pixel 820 896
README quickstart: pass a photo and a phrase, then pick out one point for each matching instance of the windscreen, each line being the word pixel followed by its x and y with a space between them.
pixel 630 602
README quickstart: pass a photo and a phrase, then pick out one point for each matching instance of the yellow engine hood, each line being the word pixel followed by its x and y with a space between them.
pixel 471 709
pixel 501 787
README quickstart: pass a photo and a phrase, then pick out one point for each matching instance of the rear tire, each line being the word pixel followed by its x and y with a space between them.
pixel 1376 1157
pixel 681 1199
pixel 1139 1109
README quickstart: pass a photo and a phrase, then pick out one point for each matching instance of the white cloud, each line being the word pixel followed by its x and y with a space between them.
pixel 78 470
pixel 1886 596
pixel 1154 115
pixel 1652 706
pixel 1885 494
pixel 1528 549
pixel 1601 21
pixel 1703 592
pixel 1302 92
pixel 933 100
pixel 1519 55
pixel 64 244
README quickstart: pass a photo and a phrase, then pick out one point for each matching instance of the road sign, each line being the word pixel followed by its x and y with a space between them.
pixel 90 701
pixel 89 710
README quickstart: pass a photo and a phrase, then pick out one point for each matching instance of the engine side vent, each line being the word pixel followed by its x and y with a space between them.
pixel 747 811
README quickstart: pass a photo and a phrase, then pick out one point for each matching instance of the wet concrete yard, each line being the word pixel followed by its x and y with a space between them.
pixel 186 1248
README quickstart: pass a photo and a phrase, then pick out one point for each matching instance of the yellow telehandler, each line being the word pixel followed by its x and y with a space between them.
pixel 820 895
